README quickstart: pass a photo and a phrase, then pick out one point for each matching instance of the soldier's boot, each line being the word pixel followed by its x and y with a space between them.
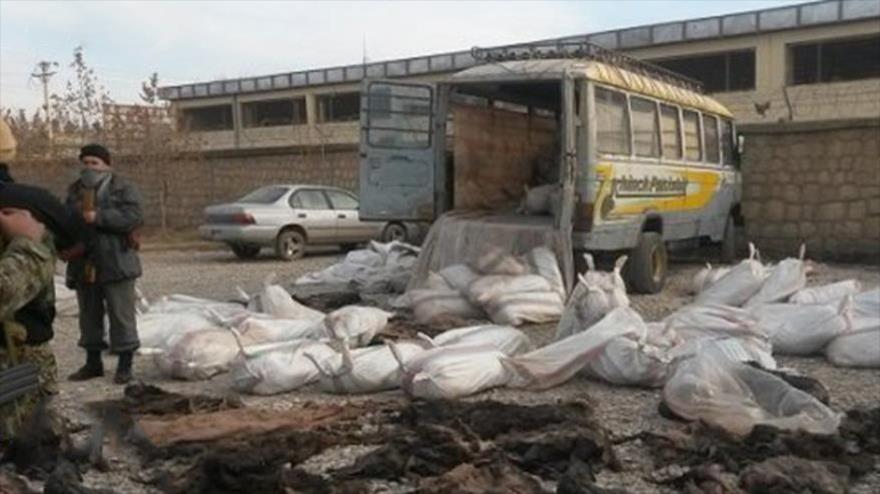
pixel 94 368
pixel 123 368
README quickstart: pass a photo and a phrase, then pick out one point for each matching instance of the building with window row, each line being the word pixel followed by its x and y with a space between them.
pixel 817 61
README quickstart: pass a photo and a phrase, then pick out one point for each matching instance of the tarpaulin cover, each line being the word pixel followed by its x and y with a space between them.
pixel 466 238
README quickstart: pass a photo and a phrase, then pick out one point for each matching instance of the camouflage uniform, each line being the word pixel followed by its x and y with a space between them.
pixel 27 271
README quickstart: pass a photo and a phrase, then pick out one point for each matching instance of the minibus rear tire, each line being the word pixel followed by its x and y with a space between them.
pixel 647 267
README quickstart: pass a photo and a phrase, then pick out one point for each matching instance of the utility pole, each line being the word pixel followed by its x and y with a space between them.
pixel 43 74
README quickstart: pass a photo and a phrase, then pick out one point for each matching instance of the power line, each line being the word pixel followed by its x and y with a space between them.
pixel 44 75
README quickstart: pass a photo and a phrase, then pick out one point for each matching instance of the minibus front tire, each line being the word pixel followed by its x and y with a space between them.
pixel 647 266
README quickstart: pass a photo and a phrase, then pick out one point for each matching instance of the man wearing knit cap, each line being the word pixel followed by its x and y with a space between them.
pixel 104 278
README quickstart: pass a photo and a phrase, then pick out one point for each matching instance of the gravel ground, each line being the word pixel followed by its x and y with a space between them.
pixel 624 411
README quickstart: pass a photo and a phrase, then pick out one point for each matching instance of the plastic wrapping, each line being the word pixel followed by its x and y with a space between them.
pixel 596 294
pixel 737 397
pixel 486 242
pixel 356 325
pixel 378 268
pixel 503 279
pixel 281 368
pixel 783 281
pixel 826 294
pixel 740 284
pixel 802 329
pixel 559 361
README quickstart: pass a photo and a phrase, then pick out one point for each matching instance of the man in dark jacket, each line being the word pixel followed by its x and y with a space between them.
pixel 104 278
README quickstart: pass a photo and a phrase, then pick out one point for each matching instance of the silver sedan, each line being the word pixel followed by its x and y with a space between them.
pixel 290 217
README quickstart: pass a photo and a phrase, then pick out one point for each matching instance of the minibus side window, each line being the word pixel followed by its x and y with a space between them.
pixel 692 150
pixel 612 123
pixel 727 153
pixel 710 137
pixel 671 127
pixel 646 136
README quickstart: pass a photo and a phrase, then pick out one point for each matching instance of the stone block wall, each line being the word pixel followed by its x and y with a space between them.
pixel 816 183
pixel 191 184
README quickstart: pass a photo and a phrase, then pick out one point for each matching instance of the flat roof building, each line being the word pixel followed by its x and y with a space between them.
pixel 801 63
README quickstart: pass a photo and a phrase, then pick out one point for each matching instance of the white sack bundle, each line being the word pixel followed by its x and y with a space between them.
pixel 596 294
pixel 488 288
pixel 283 329
pixel 356 325
pixel 826 294
pixel 802 329
pixel 707 277
pixel 545 265
pixel 156 329
pixel 277 302
pixel 198 355
pixel 508 340
pixel 497 261
pixel 458 276
pixel 281 368
pixel 783 281
pixel 736 397
pixel 453 371
pixel 859 345
pixel 557 362
pixel 66 304
pixel 365 370
pixel 634 359
pixel 427 305
pixel 515 309
pixel 177 304
pixel 740 284
pixel 538 200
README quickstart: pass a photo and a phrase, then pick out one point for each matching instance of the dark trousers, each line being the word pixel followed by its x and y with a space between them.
pixel 116 300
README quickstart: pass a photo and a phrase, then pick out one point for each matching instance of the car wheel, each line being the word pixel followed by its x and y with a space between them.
pixel 728 242
pixel 646 270
pixel 394 231
pixel 290 245
pixel 245 251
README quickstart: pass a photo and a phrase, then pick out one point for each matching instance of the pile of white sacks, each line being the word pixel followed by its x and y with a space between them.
pixel 384 268
pixel 506 289
pixel 701 355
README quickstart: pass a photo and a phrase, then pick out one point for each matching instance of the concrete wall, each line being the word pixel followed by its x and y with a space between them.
pixel 191 184
pixel 809 102
pixel 818 184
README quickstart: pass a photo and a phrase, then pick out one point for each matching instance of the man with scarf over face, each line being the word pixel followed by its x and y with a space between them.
pixel 104 278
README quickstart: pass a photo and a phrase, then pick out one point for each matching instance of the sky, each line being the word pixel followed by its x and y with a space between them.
pixel 198 40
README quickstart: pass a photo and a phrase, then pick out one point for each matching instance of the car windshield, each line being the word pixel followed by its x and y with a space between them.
pixel 264 195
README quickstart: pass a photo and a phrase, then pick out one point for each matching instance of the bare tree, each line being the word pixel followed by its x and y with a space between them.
pixel 80 107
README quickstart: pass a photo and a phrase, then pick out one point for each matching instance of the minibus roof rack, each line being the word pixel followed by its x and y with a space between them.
pixel 581 49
